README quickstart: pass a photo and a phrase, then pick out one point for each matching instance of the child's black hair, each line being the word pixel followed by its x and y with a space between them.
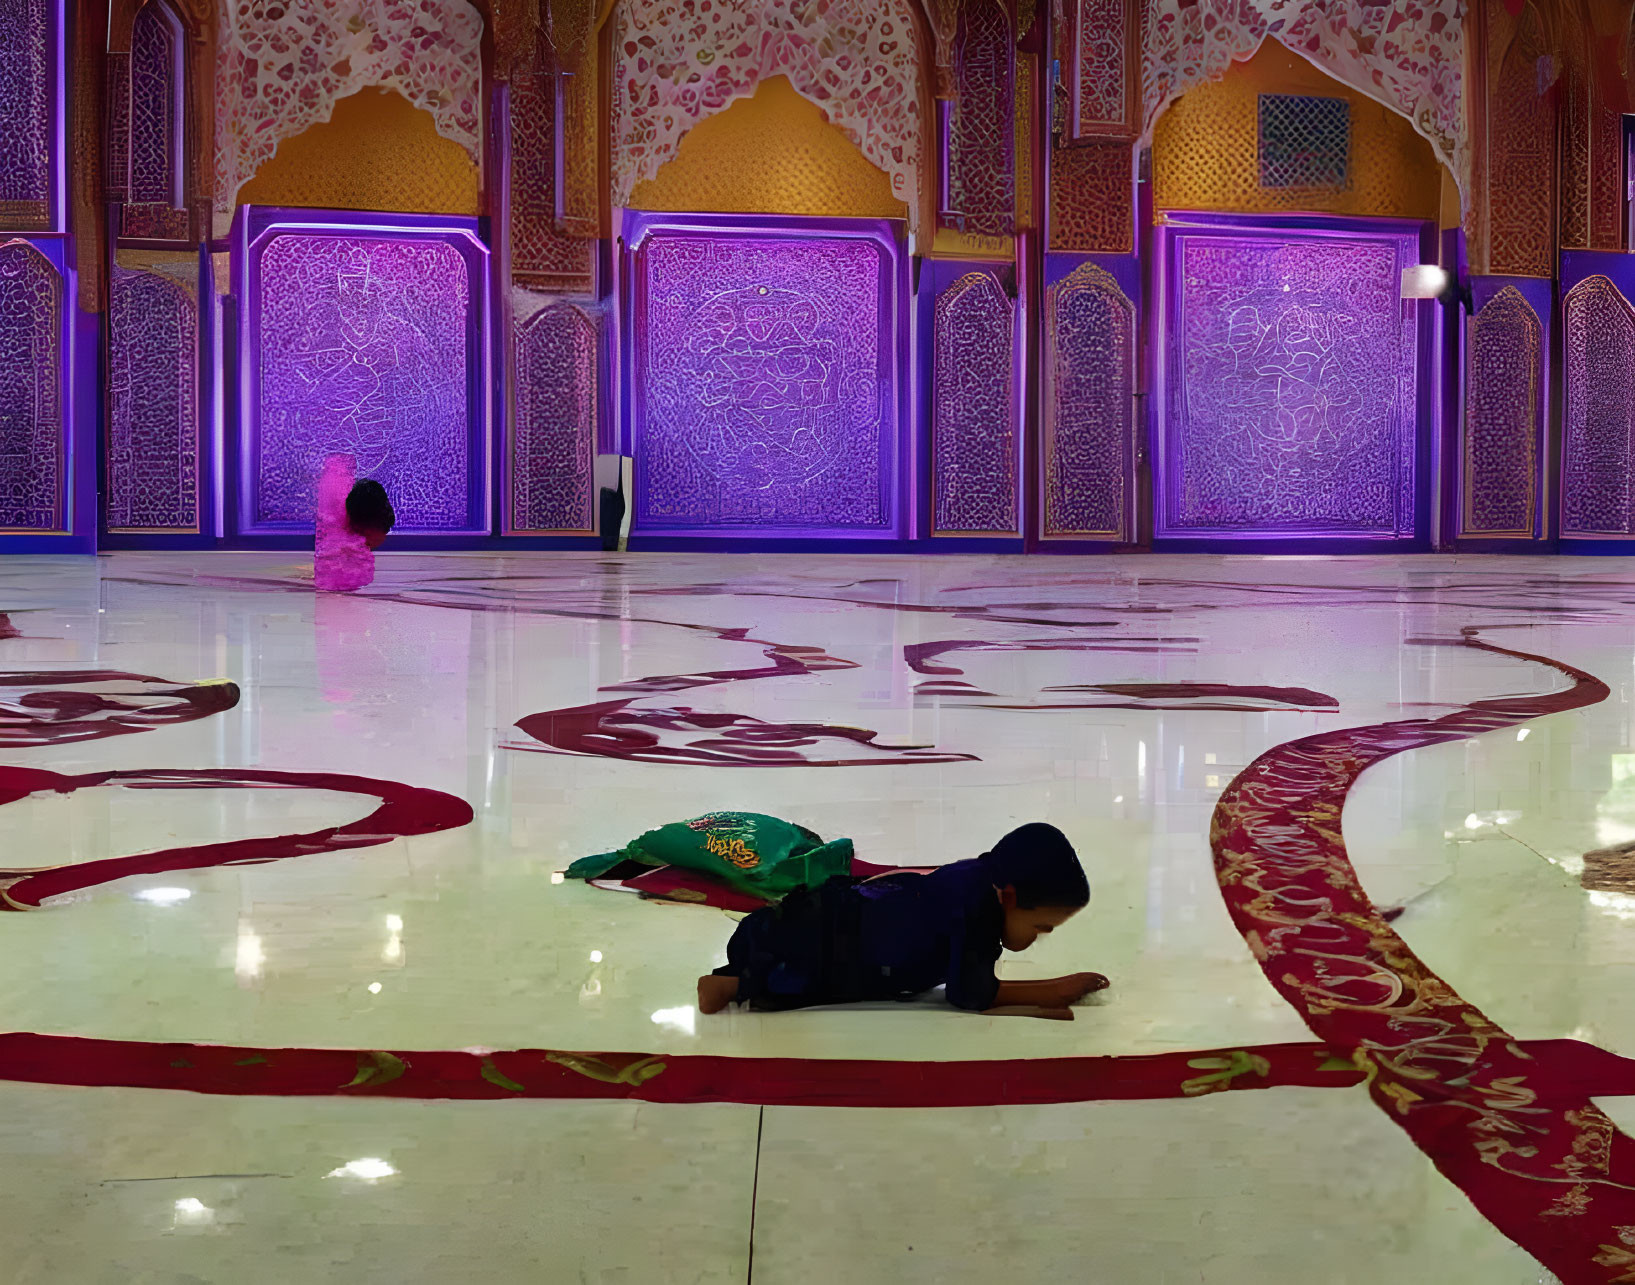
pixel 1039 862
pixel 368 508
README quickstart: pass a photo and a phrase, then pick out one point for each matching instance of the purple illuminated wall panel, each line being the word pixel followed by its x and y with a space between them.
pixel 1599 351
pixel 1290 399
pixel 766 383
pixel 155 119
pixel 28 87
pixel 33 445
pixel 1089 448
pixel 359 344
pixel 153 435
pixel 973 425
pixel 554 438
pixel 1499 478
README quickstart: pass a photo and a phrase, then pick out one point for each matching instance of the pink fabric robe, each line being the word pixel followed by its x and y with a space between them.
pixel 341 560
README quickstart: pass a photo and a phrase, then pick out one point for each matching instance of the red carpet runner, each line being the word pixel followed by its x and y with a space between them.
pixel 1540 1161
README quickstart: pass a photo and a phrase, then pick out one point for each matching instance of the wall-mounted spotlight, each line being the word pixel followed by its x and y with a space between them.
pixel 1428 281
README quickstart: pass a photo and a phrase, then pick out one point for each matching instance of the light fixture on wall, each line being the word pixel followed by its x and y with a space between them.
pixel 1429 281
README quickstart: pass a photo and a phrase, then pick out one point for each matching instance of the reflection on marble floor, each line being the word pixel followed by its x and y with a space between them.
pixel 945 700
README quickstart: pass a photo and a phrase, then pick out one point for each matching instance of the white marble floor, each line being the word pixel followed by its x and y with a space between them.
pixel 463 938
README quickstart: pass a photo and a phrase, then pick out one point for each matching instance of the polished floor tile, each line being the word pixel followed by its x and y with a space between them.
pixel 463 938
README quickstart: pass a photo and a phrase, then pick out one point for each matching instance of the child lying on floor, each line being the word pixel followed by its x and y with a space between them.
pixel 354 518
pixel 902 934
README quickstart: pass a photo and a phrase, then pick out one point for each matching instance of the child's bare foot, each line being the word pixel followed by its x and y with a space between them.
pixel 715 993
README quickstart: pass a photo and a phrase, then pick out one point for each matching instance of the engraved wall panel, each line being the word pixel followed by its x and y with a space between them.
pixel 554 435
pixel 152 460
pixel 1092 199
pixel 155 127
pixel 766 384
pixel 981 134
pixel 360 345
pixel 974 442
pixel 1499 479
pixel 541 254
pixel 1599 419
pixel 1102 57
pixel 1289 403
pixel 27 105
pixel 1089 443
pixel 1521 159
pixel 33 432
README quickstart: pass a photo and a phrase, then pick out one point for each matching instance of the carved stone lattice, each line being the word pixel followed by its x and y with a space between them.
pixel 1089 449
pixel 1290 389
pixel 154 102
pixel 153 432
pixel 1092 199
pixel 540 254
pixel 1500 478
pixel 766 386
pixel 973 429
pixel 1521 160
pixel 981 172
pixel 27 105
pixel 554 439
pixel 362 348
pixel 1303 141
pixel 1599 423
pixel 33 445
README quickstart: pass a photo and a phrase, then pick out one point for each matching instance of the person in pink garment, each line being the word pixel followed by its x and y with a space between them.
pixel 353 519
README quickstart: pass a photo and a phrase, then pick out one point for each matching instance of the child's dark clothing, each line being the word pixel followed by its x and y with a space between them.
pixel 886 938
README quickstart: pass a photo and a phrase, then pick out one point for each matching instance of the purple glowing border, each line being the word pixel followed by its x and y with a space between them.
pixel 57 164
pixel 78 369
pixel 253 228
pixel 936 276
pixel 1417 244
pixel 904 495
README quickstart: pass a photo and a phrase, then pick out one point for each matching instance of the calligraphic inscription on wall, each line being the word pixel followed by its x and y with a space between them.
pixel 27 90
pixel 767 394
pixel 1598 430
pixel 360 345
pixel 1289 404
pixel 33 449
pixel 153 437
pixel 973 426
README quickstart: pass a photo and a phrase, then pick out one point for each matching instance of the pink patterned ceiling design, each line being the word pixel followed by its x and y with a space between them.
pixel 281 67
pixel 1407 54
pixel 679 61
